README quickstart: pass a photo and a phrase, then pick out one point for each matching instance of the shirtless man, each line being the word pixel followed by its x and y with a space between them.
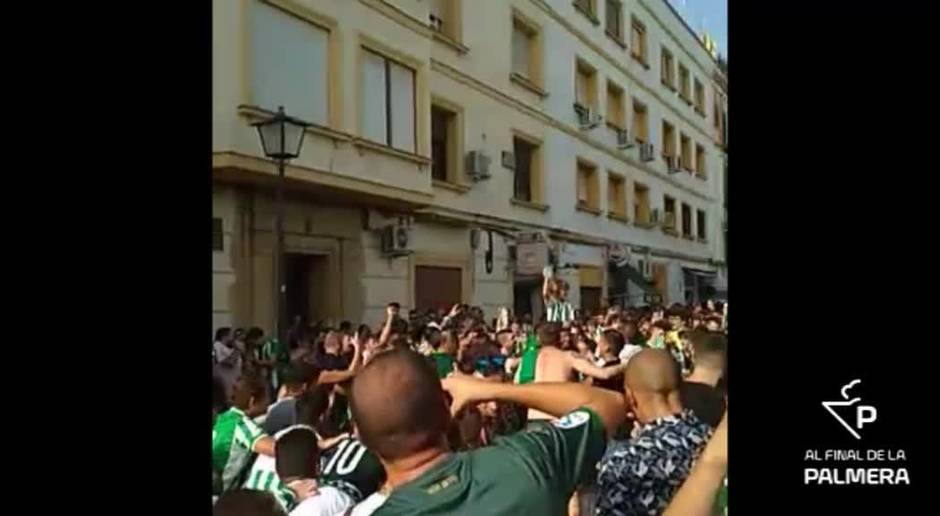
pixel 554 365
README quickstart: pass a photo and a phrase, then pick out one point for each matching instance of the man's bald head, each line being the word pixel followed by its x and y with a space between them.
pixel 398 405
pixel 652 371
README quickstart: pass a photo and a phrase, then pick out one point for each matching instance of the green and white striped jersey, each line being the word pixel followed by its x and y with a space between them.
pixel 233 437
pixel 271 349
pixel 263 476
pixel 558 311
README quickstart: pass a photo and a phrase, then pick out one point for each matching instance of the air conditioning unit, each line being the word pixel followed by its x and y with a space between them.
pixel 509 160
pixel 623 139
pixel 672 164
pixel 436 23
pixel 478 165
pixel 587 118
pixel 669 220
pixel 396 239
pixel 647 152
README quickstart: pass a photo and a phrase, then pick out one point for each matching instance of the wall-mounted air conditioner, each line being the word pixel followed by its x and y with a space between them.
pixel 478 165
pixel 624 141
pixel 396 240
pixel 587 117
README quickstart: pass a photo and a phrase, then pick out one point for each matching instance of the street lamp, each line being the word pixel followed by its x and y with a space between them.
pixel 281 138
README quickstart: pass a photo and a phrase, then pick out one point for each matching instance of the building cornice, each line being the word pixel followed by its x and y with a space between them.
pixel 510 228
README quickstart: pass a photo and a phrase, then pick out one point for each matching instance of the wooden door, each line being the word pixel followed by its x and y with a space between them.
pixel 437 287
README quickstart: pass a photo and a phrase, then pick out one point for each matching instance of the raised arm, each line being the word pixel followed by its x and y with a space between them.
pixel 556 399
pixel 546 285
pixel 454 310
pixel 387 329
pixel 328 377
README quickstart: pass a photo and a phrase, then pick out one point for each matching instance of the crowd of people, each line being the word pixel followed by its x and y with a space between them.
pixel 445 412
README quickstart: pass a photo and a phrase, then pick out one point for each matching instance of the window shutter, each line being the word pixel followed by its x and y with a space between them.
pixel 403 107
pixel 374 114
pixel 520 52
pixel 289 65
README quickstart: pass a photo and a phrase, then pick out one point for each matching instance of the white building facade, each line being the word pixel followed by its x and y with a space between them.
pixel 465 131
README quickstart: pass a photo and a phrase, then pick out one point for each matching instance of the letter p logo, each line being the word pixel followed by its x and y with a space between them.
pixel 865 414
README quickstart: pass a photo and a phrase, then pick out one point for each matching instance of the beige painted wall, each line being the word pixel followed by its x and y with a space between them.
pixel 247 291
pixel 492 108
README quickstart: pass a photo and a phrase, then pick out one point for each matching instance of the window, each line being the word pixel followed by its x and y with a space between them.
pixel 525 59
pixel 613 19
pixel 616 196
pixel 700 161
pixel 716 110
pixel 443 144
pixel 388 102
pixel 684 83
pixel 686 220
pixel 585 84
pixel 719 118
pixel 641 204
pixel 615 113
pixel 638 41
pixel 669 221
pixel 640 127
pixel 685 147
pixel 700 222
pixel 587 8
pixel 300 83
pixel 669 140
pixel 218 236
pixel 525 153
pixel 668 70
pixel 444 20
pixel 699 97
pixel 587 187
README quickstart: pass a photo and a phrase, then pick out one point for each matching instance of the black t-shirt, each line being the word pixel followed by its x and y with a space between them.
pixel 352 468
pixel 281 415
pixel 337 419
pixel 330 362
pixel 705 401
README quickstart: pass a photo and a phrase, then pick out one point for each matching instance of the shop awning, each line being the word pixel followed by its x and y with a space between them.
pixel 700 272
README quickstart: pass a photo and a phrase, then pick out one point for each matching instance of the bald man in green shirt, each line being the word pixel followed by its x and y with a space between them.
pixel 402 415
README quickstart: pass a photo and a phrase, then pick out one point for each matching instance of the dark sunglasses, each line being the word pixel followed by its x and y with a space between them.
pixel 490 363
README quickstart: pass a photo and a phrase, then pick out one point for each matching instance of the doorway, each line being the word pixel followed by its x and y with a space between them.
pixel 307 280
pixel 591 300
pixel 526 298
